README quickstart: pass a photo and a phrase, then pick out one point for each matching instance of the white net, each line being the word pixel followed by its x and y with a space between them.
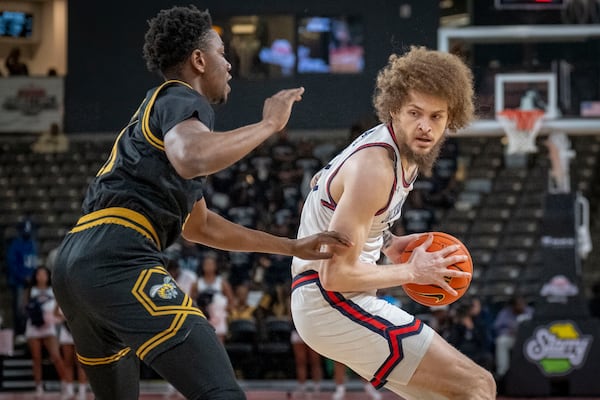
pixel 521 128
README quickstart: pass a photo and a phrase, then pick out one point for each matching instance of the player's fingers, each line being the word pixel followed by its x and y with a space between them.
pixel 299 92
pixel 444 285
pixel 322 255
pixel 454 273
pixel 294 94
pixel 449 250
pixel 333 237
pixel 456 259
pixel 425 245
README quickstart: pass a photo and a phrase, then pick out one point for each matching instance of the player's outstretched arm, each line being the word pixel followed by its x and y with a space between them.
pixel 194 150
pixel 208 228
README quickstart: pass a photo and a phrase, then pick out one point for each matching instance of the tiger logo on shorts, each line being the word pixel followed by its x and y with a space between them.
pixel 166 290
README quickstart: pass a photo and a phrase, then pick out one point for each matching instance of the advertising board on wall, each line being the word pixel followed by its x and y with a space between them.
pixel 30 104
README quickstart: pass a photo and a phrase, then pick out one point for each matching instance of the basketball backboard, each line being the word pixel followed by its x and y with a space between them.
pixel 526 90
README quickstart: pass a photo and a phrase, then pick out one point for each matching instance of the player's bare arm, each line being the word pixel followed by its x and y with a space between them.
pixel 360 192
pixel 196 151
pixel 209 228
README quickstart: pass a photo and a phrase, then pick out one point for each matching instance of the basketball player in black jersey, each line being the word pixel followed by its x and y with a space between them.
pixel 110 278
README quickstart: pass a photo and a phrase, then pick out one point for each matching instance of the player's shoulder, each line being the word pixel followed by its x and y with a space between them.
pixel 177 97
pixel 178 89
pixel 373 163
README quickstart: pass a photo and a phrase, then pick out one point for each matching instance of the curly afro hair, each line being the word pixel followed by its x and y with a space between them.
pixel 427 71
pixel 172 36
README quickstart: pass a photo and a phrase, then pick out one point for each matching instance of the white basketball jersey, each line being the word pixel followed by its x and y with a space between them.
pixel 319 205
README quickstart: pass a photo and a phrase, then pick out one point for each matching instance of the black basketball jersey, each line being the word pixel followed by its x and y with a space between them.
pixel 138 175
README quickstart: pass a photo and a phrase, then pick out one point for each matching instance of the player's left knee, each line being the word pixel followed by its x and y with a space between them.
pixel 484 385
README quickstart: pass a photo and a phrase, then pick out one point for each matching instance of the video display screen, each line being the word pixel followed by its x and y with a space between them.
pixel 272 46
pixel 330 45
pixel 16 24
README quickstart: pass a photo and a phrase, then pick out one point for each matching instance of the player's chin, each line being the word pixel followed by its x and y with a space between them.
pixel 222 99
pixel 422 149
pixel 419 144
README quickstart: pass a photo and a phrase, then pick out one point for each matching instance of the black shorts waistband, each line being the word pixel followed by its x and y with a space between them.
pixel 119 216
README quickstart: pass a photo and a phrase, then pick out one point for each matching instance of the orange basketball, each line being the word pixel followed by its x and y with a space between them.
pixel 433 295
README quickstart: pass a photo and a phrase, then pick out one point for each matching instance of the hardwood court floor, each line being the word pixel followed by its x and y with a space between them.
pixel 262 394
pixel 259 390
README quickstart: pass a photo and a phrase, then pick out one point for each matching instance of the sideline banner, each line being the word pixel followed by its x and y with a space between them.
pixel 555 357
pixel 30 104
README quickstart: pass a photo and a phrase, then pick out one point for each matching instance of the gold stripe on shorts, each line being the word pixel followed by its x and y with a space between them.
pixel 119 216
pixel 103 360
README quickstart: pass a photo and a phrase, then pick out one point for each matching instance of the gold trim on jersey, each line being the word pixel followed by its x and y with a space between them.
pixel 109 164
pixel 119 216
pixel 103 360
pixel 150 137
pixel 179 313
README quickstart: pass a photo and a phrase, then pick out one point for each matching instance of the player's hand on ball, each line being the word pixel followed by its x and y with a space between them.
pixel 441 268
pixel 394 246
pixel 431 267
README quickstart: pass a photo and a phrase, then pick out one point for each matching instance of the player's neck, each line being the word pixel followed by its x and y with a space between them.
pixel 409 170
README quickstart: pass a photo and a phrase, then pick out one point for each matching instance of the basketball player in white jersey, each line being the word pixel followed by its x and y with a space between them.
pixel 419 97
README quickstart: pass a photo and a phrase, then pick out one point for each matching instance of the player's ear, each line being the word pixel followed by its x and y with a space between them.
pixel 197 58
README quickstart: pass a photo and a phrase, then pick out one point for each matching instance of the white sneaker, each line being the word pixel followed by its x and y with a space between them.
pixel 82 392
pixel 372 392
pixel 39 391
pixel 67 391
pixel 339 394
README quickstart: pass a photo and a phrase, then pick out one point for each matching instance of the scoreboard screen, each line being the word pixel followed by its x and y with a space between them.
pixel 529 4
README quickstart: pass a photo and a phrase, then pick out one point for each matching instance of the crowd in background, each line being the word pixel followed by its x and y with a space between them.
pixel 265 191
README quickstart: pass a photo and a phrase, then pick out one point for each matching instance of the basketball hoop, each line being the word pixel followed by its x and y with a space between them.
pixel 522 128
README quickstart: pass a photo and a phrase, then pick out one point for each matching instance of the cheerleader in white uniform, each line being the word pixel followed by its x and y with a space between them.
pixel 42 331
pixel 67 348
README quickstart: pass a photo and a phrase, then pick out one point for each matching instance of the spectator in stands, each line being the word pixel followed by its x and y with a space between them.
pixel 52 141
pixel 361 125
pixel 307 164
pixel 283 150
pixel 468 337
pixel 190 256
pixel 483 319
pixel 308 364
pixel 418 216
pixel 14 64
pixel 441 320
pixel 41 328
pixel 506 325
pixel 241 308
pixel 21 260
pixel 275 302
pixel 185 279
pixel 213 294
pixel 277 270
pixel 445 176
pixel 72 364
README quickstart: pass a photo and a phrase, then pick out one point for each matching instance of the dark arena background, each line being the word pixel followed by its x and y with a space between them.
pixel 522 190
